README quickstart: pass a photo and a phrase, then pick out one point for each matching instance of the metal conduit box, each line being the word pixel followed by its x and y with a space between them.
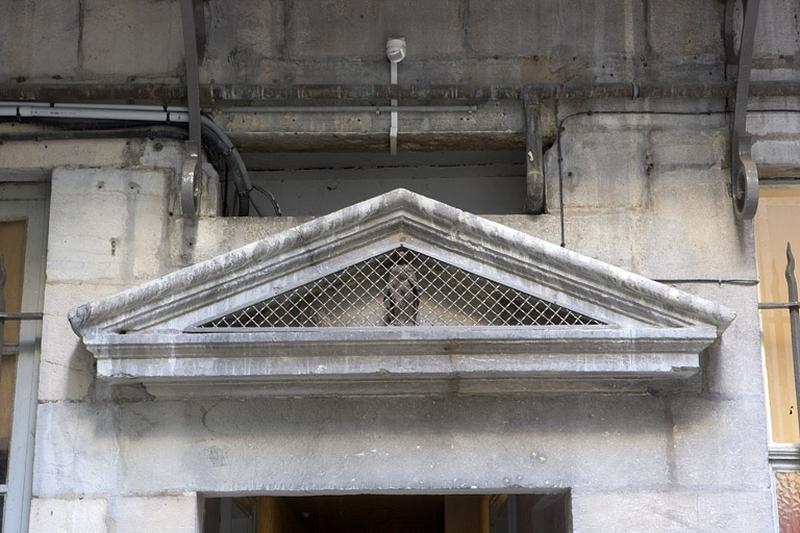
pixel 399 295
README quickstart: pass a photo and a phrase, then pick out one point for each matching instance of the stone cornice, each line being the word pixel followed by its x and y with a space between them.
pixel 146 333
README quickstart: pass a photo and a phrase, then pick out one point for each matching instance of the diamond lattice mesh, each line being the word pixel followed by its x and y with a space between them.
pixel 401 288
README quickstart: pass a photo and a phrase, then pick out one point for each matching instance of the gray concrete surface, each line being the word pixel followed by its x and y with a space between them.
pixel 284 42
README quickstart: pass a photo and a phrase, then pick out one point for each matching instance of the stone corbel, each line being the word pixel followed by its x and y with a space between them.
pixel 534 175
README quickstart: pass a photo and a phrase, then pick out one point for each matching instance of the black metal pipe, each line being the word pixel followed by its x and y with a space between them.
pixel 212 138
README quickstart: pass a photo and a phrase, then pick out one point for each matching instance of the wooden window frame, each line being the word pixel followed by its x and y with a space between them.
pixel 784 457
pixel 23 196
pixel 781 450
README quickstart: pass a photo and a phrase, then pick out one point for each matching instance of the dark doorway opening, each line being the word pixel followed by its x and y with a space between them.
pixel 481 513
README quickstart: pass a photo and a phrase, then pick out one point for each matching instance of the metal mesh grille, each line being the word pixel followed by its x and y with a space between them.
pixel 401 288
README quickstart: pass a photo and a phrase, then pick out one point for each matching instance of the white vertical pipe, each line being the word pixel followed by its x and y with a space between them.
pixel 393 125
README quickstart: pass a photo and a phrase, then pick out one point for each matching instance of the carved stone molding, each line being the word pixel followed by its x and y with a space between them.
pixel 635 334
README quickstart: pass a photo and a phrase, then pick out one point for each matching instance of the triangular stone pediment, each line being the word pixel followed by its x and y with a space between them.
pixel 394 277
pixel 400 287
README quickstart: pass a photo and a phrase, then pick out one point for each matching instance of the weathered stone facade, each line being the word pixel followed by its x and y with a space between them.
pixel 628 459
pixel 645 190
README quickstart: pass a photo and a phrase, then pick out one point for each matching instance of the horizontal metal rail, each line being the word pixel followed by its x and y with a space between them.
pixel 21 316
pixel 779 305
pixel 8 349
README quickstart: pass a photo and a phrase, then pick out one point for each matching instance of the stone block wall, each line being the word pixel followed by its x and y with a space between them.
pixel 644 190
pixel 647 193
pixel 331 41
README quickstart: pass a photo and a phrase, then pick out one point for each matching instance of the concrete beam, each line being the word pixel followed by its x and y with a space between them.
pixel 495 125
pixel 319 94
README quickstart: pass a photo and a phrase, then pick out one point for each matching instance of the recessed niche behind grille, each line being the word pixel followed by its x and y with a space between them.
pixel 401 288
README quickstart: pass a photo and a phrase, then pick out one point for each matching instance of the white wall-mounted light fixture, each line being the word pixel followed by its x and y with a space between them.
pixel 396 49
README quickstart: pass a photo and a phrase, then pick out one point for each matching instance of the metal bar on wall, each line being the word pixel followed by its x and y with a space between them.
pixel 192 165
pixel 4 316
pixel 2 307
pixel 793 305
pixel 794 320
pixel 744 173
pixel 33 206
